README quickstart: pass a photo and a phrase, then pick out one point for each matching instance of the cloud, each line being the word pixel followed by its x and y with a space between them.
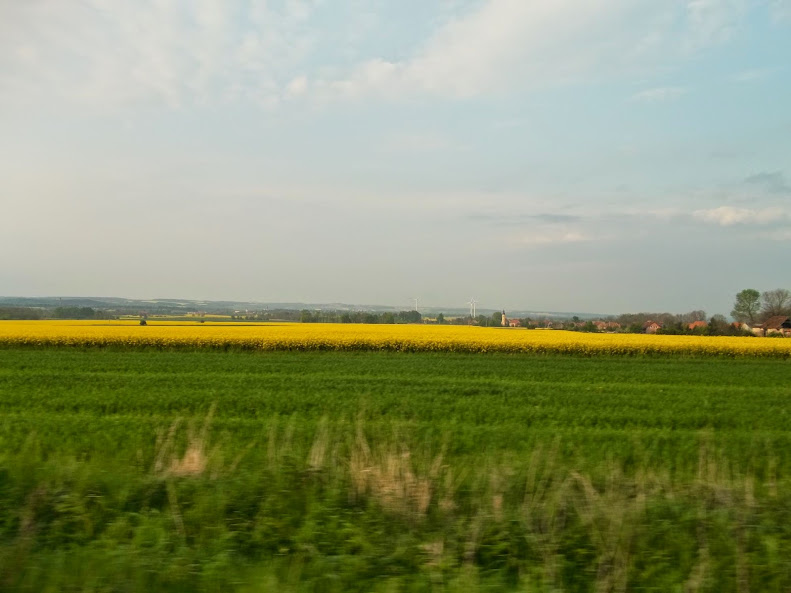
pixel 781 11
pixel 179 52
pixel 297 86
pixel 547 219
pixel 729 216
pixel 659 94
pixel 551 228
pixel 482 51
pixel 557 218
pixel 780 235
pixel 550 237
pixel 665 214
pixel 770 182
pixel 713 21
pixel 514 44
pixel 171 52
pixel 753 75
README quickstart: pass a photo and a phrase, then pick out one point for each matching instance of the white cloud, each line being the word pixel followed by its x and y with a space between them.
pixel 483 50
pixel 659 94
pixel 297 86
pixel 729 216
pixel 179 51
pixel 173 52
pixel 513 44
pixel 553 236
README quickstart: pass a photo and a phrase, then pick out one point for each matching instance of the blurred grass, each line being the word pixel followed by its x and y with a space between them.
pixel 210 471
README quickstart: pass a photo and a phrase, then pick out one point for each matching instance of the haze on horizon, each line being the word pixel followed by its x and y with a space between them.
pixel 549 155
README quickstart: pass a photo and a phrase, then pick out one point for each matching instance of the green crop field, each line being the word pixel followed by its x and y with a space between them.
pixel 353 471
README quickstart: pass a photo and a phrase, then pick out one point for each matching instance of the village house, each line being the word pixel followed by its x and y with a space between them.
pixel 779 324
pixel 697 324
pixel 607 326
pixel 651 327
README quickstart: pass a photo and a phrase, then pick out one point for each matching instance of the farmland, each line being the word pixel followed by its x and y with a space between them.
pixel 140 467
pixel 357 337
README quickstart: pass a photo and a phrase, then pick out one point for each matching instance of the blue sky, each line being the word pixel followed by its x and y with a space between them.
pixel 606 156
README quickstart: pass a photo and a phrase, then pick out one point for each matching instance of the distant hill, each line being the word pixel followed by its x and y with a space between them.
pixel 182 306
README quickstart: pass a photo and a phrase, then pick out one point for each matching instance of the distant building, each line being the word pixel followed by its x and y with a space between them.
pixel 514 323
pixel 651 327
pixel 779 324
pixel 696 324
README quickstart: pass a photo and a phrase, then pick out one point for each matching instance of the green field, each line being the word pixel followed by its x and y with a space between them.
pixel 212 471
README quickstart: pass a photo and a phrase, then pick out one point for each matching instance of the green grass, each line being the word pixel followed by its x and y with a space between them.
pixel 382 471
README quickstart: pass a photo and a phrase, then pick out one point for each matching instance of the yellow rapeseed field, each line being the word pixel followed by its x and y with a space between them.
pixel 408 338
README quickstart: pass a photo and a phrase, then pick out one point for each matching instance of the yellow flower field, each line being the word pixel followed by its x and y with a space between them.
pixel 409 338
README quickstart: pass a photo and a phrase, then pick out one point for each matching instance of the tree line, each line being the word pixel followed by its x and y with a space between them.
pixel 31 313
pixel 753 307
pixel 371 317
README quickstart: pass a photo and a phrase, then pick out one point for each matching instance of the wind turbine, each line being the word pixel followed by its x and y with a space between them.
pixel 416 299
pixel 472 304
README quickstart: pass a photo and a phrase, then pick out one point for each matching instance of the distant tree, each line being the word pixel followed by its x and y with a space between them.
pixel 692 316
pixel 672 325
pixel 497 319
pixel 441 318
pixel 19 313
pixel 74 313
pixel 776 302
pixel 306 316
pixel 718 326
pixel 747 305
pixel 388 318
pixel 409 317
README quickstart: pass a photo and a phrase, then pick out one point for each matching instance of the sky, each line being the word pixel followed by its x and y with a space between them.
pixel 610 156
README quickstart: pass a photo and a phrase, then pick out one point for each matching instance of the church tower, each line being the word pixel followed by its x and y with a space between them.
pixel 504 321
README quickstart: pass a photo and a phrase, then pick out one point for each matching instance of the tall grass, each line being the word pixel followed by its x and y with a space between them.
pixel 355 509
